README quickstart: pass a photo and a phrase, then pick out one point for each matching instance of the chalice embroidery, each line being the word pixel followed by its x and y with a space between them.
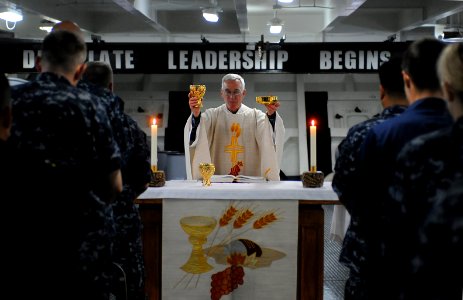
pixel 206 170
pixel 198 228
pixel 198 91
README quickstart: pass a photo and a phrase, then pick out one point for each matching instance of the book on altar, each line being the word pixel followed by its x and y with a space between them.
pixel 238 178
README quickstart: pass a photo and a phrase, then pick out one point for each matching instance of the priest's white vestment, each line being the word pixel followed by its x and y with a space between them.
pixel 243 143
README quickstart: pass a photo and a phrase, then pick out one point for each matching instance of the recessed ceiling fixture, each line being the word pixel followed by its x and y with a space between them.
pixel 211 13
pixel 285 1
pixel 11 15
pixel 276 24
pixel 46 25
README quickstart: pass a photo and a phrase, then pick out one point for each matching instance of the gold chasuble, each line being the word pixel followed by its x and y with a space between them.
pixel 238 144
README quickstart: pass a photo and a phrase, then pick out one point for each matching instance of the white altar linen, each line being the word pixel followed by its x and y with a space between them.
pixel 270 274
pixel 275 274
pixel 193 189
pixel 339 223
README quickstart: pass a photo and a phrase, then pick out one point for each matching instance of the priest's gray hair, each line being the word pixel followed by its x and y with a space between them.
pixel 233 77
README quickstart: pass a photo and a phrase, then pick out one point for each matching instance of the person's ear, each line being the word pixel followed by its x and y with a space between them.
pixel 382 93
pixel 110 86
pixel 448 92
pixel 38 64
pixel 80 72
pixel 244 93
pixel 407 80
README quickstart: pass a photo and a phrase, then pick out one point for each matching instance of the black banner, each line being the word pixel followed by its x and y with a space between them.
pixel 18 56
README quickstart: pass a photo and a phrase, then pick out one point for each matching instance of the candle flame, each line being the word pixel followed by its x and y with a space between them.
pixel 154 121
pixel 312 122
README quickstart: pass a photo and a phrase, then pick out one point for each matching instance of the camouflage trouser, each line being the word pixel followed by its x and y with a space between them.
pixel 128 250
pixel 356 288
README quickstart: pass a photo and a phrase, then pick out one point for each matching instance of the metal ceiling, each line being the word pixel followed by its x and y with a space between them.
pixel 240 20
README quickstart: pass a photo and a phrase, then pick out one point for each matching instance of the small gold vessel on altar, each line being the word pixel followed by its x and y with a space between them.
pixel 198 91
pixel 207 170
pixel 265 100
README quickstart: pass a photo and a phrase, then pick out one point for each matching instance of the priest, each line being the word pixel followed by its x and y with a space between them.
pixel 237 139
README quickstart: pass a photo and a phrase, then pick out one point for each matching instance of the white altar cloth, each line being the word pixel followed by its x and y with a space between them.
pixel 193 189
pixel 339 223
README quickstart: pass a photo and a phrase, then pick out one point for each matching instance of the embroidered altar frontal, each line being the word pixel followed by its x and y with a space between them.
pixel 221 249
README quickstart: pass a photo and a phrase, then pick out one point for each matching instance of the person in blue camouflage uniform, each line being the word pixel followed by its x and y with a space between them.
pixel 394 101
pixel 374 208
pixel 73 176
pixel 428 191
pixel 136 174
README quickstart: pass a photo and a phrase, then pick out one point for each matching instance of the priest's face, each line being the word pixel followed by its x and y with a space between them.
pixel 233 94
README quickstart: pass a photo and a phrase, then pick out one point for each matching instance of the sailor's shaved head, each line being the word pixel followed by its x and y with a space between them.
pixel 68 26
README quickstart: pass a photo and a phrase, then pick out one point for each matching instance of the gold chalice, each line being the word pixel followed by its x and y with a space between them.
pixel 198 228
pixel 207 170
pixel 266 99
pixel 198 91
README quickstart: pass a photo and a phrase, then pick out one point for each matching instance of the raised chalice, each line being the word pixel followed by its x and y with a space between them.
pixel 198 228
pixel 266 99
pixel 198 91
pixel 207 170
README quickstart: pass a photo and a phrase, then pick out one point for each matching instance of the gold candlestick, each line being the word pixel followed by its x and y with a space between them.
pixel 312 179
pixel 158 177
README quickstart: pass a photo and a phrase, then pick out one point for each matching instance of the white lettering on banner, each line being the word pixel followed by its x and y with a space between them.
pixel 172 66
pixel 235 62
pixel 211 60
pixel 114 58
pixel 196 61
pixel 91 56
pixel 118 59
pixel 104 56
pixel 325 60
pixel 129 59
pixel 226 60
pixel 183 60
pixel 247 60
pixel 351 60
pixel 28 59
pixel 223 60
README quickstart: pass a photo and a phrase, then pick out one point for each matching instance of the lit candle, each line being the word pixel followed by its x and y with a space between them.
pixel 154 145
pixel 313 147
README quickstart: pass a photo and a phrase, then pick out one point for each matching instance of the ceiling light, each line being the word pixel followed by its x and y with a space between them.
pixel 211 14
pixel 46 28
pixel 276 24
pixel 46 25
pixel 285 1
pixel 11 16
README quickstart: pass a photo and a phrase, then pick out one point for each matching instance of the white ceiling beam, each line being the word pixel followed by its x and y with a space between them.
pixel 142 9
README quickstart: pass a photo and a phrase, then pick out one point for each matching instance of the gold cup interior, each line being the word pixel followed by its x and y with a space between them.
pixel 266 99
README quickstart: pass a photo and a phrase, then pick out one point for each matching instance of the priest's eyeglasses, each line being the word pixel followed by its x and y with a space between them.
pixel 234 93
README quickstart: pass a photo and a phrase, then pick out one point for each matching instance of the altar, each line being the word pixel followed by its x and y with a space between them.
pixel 310 224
